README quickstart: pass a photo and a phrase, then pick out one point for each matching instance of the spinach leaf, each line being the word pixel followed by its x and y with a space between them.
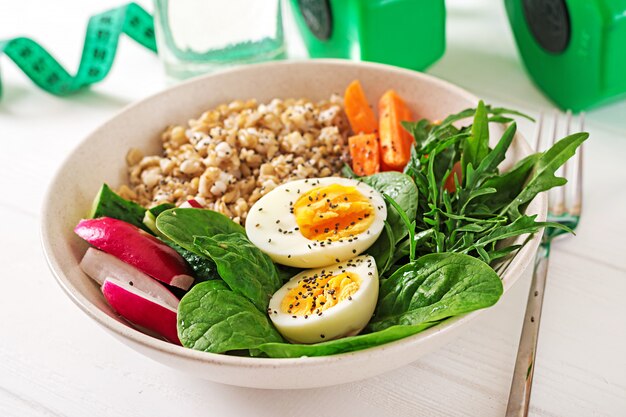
pixel 408 224
pixel 243 266
pixel 203 268
pixel 543 178
pixel 416 297
pixel 178 227
pixel 435 287
pixel 181 225
pixel 401 188
pixel 212 318
pixel 346 344
pixel 108 204
pixel 347 172
pixel 383 249
pixel 285 273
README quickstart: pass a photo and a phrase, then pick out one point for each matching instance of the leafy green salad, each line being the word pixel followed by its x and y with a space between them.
pixel 331 265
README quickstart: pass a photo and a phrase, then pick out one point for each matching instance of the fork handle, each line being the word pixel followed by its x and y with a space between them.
pixel 519 396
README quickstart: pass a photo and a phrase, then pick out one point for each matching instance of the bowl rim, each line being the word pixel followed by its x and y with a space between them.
pixel 126 331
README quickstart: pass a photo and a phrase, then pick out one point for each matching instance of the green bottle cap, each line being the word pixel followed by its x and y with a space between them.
pixel 574 50
pixel 406 33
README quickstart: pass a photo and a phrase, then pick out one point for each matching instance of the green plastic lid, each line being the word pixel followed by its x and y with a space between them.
pixel 406 33
pixel 574 50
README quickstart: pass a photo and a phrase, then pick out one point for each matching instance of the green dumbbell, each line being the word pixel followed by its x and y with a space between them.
pixel 406 33
pixel 575 50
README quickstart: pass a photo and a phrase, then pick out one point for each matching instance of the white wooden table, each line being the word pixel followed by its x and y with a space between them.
pixel 54 361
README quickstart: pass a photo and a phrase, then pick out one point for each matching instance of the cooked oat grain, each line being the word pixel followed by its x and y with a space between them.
pixel 234 154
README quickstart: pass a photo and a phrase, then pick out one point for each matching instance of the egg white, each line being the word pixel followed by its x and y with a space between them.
pixel 272 227
pixel 346 318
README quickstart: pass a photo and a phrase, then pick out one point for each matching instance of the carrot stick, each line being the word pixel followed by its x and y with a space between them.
pixel 360 114
pixel 365 155
pixel 457 172
pixel 395 141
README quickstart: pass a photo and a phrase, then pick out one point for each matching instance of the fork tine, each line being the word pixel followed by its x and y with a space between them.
pixel 576 207
pixel 537 138
pixel 567 167
pixel 556 198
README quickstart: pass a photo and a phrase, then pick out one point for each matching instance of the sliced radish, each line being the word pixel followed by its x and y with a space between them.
pixel 191 203
pixel 100 266
pixel 138 248
pixel 141 309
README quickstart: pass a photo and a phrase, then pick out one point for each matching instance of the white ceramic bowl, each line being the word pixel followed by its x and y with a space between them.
pixel 101 158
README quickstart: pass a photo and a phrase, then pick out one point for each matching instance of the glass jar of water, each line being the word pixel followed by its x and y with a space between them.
pixel 199 36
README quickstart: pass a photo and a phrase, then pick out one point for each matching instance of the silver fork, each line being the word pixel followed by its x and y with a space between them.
pixel 565 204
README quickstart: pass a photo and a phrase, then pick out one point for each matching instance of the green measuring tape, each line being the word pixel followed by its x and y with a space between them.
pixel 101 39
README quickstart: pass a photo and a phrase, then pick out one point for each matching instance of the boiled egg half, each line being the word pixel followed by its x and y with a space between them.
pixel 316 222
pixel 326 303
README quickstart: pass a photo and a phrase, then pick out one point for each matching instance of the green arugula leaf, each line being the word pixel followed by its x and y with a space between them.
pixel 543 178
pixel 419 130
pixel 476 146
pixel 509 184
pixel 521 226
pixel 489 164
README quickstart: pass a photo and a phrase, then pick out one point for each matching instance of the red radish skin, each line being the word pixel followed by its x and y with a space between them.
pixel 191 203
pixel 141 309
pixel 138 248
pixel 100 266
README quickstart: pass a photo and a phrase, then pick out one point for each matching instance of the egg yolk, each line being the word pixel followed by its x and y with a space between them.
pixel 318 293
pixel 333 212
